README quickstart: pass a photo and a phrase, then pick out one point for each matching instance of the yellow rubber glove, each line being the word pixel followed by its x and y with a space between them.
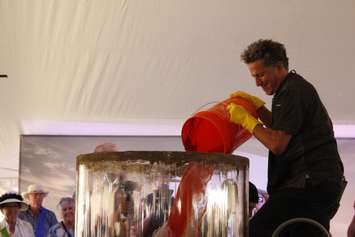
pixel 240 116
pixel 257 102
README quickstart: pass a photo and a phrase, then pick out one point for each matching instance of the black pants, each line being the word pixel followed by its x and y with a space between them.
pixel 319 203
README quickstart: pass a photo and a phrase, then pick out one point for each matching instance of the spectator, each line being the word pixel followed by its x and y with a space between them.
pixel 253 198
pixel 157 205
pixel 40 218
pixel 65 228
pixel 263 197
pixel 10 205
pixel 105 147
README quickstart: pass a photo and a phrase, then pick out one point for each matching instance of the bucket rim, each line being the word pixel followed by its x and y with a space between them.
pixel 220 133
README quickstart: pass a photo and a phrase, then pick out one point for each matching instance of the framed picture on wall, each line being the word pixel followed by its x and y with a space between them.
pixel 50 160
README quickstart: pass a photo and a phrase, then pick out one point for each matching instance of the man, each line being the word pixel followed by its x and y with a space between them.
pixel 253 198
pixel 65 228
pixel 10 205
pixel 305 173
pixel 40 218
pixel 157 206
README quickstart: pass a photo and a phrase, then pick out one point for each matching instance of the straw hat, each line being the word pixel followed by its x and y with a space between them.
pixel 8 198
pixel 34 188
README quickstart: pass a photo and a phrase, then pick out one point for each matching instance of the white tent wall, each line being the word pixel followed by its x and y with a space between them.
pixel 108 60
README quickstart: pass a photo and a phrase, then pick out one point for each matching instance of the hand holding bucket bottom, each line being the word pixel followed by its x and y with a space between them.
pixel 240 116
pixel 257 102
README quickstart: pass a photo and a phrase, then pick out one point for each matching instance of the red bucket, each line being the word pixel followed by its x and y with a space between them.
pixel 212 131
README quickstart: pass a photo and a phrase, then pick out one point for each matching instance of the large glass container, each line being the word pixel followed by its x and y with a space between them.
pixel 145 193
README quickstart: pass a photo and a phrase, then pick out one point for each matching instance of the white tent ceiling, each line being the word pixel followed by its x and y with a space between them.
pixel 113 60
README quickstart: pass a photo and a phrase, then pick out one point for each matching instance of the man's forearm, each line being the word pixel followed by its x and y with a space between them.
pixel 265 116
pixel 275 141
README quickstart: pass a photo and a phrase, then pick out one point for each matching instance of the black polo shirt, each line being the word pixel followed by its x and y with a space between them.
pixel 312 152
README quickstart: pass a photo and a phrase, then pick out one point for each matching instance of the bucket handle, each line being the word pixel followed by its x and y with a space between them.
pixel 204 105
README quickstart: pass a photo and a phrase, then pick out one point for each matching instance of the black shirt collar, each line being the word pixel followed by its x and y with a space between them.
pixel 289 74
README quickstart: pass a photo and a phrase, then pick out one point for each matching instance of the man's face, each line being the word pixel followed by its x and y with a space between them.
pixel 36 199
pixel 68 211
pixel 267 77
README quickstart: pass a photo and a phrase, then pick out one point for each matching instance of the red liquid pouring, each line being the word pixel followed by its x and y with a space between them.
pixel 206 131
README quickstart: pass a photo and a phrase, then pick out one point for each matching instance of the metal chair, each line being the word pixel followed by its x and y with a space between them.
pixel 279 230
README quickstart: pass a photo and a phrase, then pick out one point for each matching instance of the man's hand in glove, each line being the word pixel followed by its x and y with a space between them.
pixel 240 116
pixel 257 102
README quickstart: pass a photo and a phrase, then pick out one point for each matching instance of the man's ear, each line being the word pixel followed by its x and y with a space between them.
pixel 279 65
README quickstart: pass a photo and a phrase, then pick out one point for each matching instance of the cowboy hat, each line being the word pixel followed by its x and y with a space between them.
pixel 8 198
pixel 34 188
